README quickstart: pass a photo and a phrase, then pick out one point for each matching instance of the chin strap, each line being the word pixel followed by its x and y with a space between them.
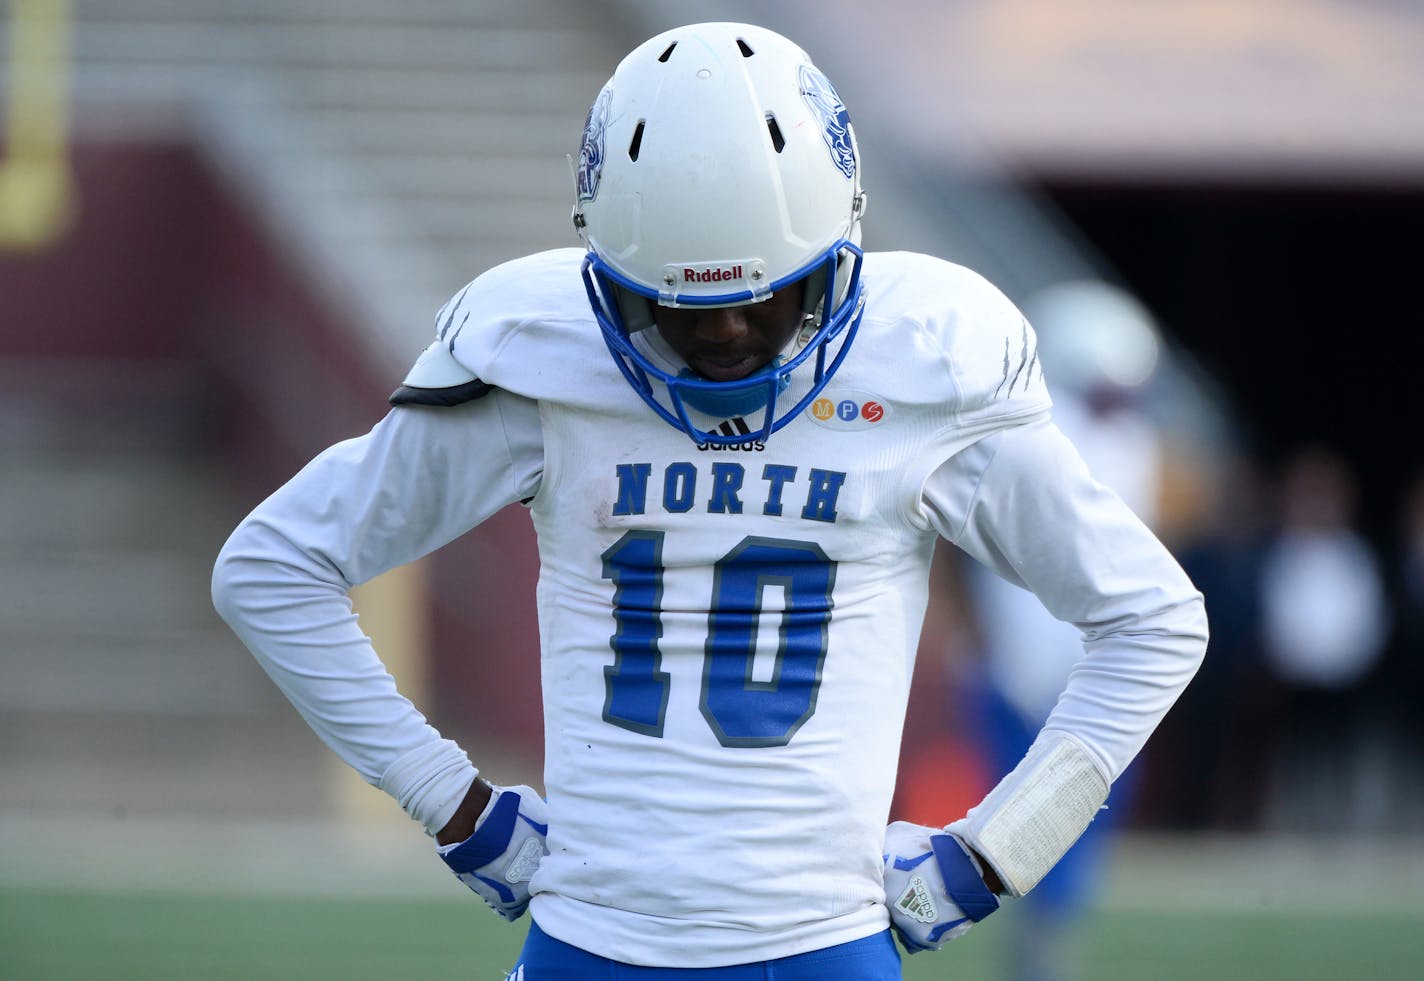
pixel 731 398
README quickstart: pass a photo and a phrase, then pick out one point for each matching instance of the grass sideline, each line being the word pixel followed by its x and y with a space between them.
pixel 57 933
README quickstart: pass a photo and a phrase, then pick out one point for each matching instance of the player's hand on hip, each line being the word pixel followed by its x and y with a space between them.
pixel 934 887
pixel 500 856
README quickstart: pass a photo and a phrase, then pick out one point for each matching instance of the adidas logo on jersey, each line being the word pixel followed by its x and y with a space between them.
pixel 735 426
pixel 916 901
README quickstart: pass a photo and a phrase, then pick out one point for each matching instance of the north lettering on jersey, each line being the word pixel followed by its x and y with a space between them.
pixel 723 487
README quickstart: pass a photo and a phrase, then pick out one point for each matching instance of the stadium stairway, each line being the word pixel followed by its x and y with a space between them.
pixel 394 150
pixel 398 149
pixel 123 693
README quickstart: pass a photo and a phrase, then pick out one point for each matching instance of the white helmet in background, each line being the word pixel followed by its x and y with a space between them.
pixel 1094 336
pixel 718 165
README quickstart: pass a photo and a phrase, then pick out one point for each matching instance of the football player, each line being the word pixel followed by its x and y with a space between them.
pixel 738 438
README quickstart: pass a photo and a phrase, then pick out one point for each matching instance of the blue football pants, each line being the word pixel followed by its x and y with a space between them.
pixel 872 959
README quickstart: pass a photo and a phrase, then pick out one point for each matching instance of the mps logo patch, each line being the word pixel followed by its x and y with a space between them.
pixel 591 153
pixel 821 96
pixel 849 410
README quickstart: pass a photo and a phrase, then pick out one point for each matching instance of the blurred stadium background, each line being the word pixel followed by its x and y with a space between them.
pixel 225 227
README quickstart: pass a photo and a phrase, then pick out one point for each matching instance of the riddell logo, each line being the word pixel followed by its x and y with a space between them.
pixel 718 275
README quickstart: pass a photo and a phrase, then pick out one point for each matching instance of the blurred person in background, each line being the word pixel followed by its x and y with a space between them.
pixel 736 514
pixel 1100 349
pixel 1209 765
pixel 1324 623
pixel 1402 678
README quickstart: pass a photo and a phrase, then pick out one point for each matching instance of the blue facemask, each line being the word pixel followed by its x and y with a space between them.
pixel 730 398
pixel 723 400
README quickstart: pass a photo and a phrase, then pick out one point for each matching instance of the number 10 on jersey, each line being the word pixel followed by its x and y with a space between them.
pixel 741 711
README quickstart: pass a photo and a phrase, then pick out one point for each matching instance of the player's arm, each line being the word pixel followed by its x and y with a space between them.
pixel 424 475
pixel 420 478
pixel 1022 502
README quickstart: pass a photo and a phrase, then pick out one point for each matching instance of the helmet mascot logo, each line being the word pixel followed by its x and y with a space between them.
pixel 821 96
pixel 590 167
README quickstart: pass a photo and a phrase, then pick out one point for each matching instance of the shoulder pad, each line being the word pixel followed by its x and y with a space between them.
pixel 437 378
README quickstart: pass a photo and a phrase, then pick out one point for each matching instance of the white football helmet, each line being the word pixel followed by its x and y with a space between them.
pixel 1093 335
pixel 718 165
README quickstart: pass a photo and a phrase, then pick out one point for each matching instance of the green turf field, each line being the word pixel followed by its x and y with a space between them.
pixel 50 934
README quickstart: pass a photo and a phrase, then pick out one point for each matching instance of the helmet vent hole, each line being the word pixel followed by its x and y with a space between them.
pixel 637 141
pixel 777 140
pixel 747 51
pixel 668 53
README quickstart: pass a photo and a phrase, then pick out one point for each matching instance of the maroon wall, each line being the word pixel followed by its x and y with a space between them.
pixel 168 275
pixel 120 284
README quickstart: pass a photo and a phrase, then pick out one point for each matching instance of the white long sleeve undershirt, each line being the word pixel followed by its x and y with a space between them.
pixel 1022 502
pixel 362 507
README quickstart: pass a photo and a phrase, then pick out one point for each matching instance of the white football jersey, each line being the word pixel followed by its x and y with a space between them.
pixel 728 634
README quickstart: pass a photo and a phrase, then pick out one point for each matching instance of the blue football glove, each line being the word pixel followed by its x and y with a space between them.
pixel 500 856
pixel 934 888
